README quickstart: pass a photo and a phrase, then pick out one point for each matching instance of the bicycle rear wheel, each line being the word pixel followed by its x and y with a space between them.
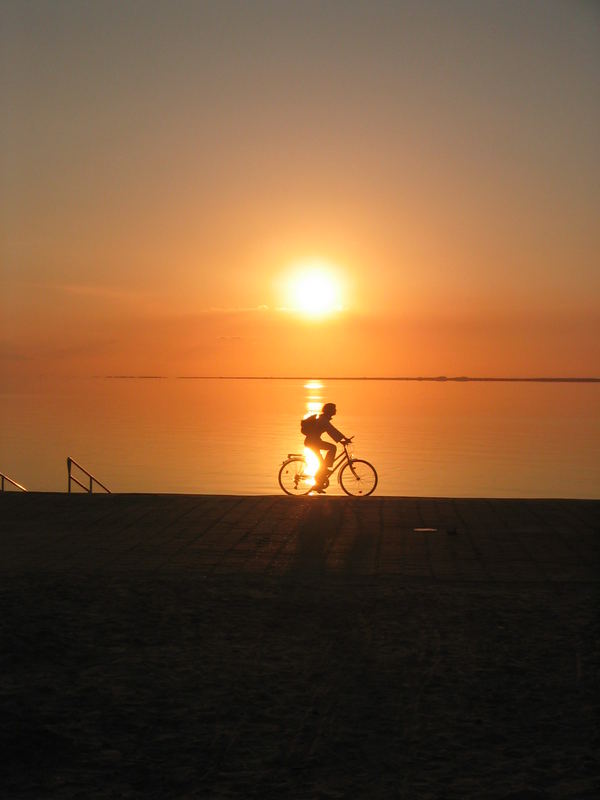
pixel 358 478
pixel 293 478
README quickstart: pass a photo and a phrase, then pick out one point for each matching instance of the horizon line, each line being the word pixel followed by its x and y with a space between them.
pixel 440 378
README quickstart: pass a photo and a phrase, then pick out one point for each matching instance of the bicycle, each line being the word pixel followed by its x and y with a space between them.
pixel 357 477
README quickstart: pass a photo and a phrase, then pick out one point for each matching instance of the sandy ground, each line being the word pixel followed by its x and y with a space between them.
pixel 170 684
pixel 171 687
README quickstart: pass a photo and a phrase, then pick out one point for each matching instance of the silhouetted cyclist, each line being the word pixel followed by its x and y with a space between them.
pixel 319 425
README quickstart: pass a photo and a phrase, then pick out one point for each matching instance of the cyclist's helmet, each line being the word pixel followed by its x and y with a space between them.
pixel 329 409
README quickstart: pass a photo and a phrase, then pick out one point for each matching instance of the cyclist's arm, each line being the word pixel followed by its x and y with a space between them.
pixel 336 435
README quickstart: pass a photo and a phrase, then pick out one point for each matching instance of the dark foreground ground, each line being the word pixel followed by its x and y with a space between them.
pixel 221 647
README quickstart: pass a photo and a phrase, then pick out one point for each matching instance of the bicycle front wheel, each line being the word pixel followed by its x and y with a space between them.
pixel 358 478
pixel 293 478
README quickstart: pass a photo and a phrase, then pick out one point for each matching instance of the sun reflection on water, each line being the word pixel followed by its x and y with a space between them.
pixel 314 400
pixel 312 464
pixel 314 404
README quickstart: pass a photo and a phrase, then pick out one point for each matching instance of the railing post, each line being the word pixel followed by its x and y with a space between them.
pixel 72 479
pixel 4 479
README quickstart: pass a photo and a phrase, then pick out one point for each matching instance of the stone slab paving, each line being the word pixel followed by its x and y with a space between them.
pixel 438 539
pixel 179 646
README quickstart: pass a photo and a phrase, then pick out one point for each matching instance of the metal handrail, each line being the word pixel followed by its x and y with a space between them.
pixel 73 479
pixel 4 477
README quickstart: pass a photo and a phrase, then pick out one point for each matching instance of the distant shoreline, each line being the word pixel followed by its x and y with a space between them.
pixel 439 378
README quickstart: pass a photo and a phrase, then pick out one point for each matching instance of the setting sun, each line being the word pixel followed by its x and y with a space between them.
pixel 314 290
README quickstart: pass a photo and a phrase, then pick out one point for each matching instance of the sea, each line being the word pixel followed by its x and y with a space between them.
pixel 435 438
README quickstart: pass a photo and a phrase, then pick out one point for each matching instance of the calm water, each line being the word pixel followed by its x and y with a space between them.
pixel 229 436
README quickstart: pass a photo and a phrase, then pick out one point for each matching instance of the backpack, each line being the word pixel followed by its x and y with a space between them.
pixel 308 425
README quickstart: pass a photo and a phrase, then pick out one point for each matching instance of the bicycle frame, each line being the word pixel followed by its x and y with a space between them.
pixel 340 459
pixel 355 475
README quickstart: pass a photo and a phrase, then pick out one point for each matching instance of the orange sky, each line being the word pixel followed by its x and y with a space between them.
pixel 162 171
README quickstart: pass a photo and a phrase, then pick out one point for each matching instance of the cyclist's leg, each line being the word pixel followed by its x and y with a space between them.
pixel 330 456
pixel 326 463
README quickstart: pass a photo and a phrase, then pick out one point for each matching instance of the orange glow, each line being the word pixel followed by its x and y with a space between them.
pixel 314 406
pixel 312 464
pixel 313 289
pixel 161 225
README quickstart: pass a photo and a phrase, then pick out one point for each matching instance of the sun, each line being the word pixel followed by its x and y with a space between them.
pixel 314 289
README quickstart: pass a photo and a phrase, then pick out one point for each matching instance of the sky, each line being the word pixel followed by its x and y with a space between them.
pixel 171 170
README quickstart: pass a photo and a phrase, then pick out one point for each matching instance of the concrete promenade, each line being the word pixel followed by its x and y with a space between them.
pixel 158 647
pixel 414 538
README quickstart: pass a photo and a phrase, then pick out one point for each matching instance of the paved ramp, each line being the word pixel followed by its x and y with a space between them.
pixel 412 538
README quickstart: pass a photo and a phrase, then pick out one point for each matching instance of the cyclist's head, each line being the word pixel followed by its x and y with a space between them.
pixel 329 409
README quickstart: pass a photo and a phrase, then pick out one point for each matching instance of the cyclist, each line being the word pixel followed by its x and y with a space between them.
pixel 322 424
